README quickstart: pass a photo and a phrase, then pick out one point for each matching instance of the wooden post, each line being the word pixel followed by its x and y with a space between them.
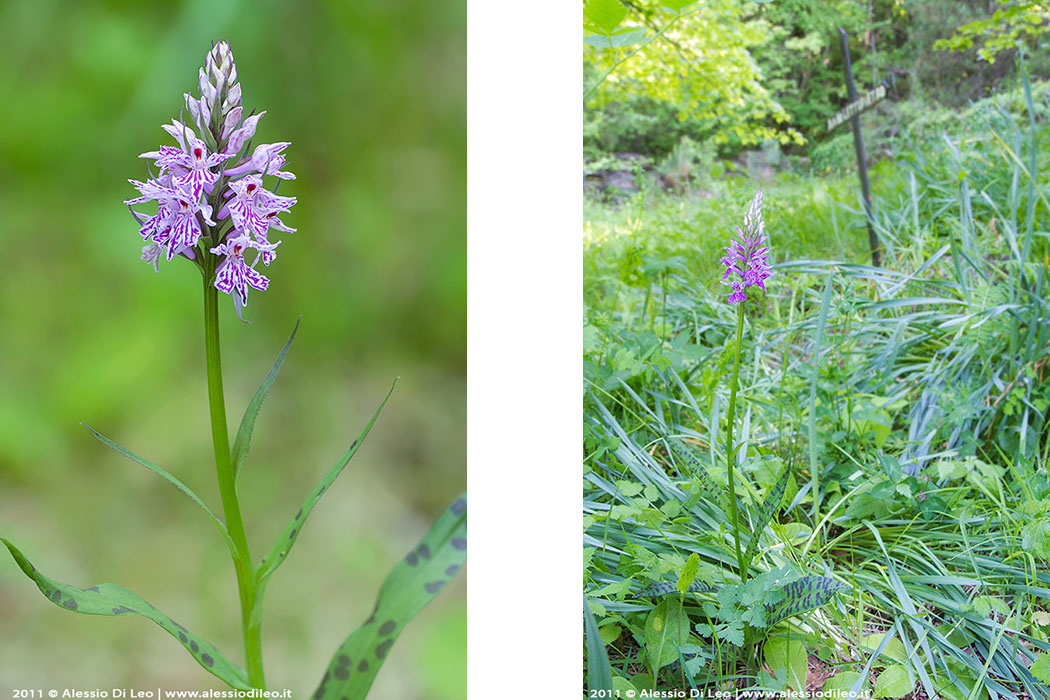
pixel 858 144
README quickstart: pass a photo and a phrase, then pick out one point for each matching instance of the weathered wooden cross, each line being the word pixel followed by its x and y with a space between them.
pixel 852 113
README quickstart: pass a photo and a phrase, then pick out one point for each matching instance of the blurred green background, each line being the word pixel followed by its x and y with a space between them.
pixel 372 95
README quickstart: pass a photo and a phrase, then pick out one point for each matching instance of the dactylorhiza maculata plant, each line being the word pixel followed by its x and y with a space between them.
pixel 746 266
pixel 214 208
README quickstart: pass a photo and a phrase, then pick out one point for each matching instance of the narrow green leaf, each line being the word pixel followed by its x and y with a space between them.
pixel 410 585
pixel 604 16
pixel 113 600
pixel 766 512
pixel 163 473
pixel 244 433
pixel 807 593
pixel 599 672
pixel 279 552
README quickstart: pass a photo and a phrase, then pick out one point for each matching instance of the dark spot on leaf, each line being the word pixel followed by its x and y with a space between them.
pixel 371 619
pixel 292 535
pixel 412 559
pixel 434 586
pixel 193 646
pixel 57 597
pixel 344 660
pixel 182 637
pixel 459 543
pixel 424 551
pixel 93 588
pixel 122 609
pixel 207 660
pixel 353 445
pixel 387 627
pixel 363 666
pixel 383 648
pixel 299 514
pixel 70 603
pixel 458 507
pixel 451 571
pixel 342 673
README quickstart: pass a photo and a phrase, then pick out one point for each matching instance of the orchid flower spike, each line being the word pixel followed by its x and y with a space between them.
pixel 746 257
pixel 213 205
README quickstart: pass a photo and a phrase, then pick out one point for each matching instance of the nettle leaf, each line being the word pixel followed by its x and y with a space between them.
pixel 166 475
pixel 807 593
pixel 700 473
pixel 244 433
pixel 114 601
pixel 766 512
pixel 604 16
pixel 666 587
pixel 410 585
pixel 279 552
pixel 666 629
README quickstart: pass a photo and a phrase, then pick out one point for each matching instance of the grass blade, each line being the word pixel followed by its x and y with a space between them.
pixel 599 672
pixel 766 512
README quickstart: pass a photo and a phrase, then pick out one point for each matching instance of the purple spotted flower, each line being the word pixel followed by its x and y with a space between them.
pixel 746 259
pixel 215 170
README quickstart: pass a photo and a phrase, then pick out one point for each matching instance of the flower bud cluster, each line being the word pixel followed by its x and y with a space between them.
pixel 212 203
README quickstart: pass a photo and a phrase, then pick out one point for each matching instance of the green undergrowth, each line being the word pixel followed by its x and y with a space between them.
pixel 906 404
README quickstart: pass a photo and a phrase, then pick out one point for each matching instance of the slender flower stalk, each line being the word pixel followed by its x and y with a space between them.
pixel 213 208
pixel 746 266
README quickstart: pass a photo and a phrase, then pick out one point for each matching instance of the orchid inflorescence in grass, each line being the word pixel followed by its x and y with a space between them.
pixel 214 209
pixel 746 266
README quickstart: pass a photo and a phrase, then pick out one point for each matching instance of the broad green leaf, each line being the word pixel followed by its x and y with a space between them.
pixel 894 682
pixel 279 552
pixel 410 585
pixel 783 653
pixel 113 600
pixel 164 474
pixel 1041 668
pixel 666 629
pixel 677 5
pixel 840 685
pixel 688 575
pixel 624 36
pixel 807 593
pixel 604 16
pixel 666 587
pixel 244 433
pixel 766 512
pixel 599 672
pixel 893 652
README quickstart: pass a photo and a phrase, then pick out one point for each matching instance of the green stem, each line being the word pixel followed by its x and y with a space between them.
pixel 730 451
pixel 242 558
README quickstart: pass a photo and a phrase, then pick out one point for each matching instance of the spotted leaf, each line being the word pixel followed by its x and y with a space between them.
pixel 244 433
pixel 805 594
pixel 768 509
pixel 700 473
pixel 279 552
pixel 666 587
pixel 113 600
pixel 410 585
